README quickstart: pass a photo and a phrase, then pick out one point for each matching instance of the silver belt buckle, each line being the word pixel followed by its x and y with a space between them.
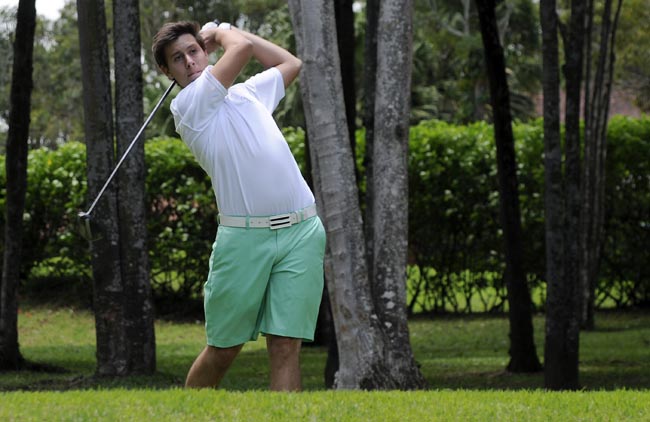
pixel 280 221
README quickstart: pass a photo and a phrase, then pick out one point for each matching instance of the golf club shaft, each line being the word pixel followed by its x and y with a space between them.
pixel 135 139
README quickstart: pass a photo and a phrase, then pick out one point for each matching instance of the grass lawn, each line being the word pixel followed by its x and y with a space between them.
pixel 461 357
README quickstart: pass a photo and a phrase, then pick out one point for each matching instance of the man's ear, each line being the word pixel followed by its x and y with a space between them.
pixel 166 71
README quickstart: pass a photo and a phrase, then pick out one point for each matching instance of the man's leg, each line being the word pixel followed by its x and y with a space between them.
pixel 284 353
pixel 210 366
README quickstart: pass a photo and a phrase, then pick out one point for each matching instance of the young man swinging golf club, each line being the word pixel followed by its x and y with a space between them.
pixel 266 268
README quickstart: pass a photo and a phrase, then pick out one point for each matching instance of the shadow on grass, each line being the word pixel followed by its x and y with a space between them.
pixel 249 372
pixel 454 353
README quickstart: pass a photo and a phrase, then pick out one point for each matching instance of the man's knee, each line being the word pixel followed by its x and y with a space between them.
pixel 222 356
pixel 283 347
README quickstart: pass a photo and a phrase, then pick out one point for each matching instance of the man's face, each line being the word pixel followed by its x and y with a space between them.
pixel 185 60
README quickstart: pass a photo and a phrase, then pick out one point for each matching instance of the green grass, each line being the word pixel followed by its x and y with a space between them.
pixel 463 358
pixel 180 405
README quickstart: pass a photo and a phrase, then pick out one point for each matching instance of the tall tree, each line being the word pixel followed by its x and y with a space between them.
pixel 98 123
pixel 346 43
pixel 360 336
pixel 16 172
pixel 596 113
pixel 562 202
pixel 523 354
pixel 138 302
pixel 369 85
pixel 389 184
pixel 344 17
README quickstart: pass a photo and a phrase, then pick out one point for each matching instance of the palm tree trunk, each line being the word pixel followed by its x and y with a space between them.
pixel 563 210
pixel 108 290
pixel 523 354
pixel 388 182
pixel 16 172
pixel 138 301
pixel 359 337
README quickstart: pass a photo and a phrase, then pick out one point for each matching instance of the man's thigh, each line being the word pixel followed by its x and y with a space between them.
pixel 296 284
pixel 234 294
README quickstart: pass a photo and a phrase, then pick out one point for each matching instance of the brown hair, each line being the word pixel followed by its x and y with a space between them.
pixel 169 33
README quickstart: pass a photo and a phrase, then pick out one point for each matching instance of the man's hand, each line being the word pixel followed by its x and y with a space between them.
pixel 209 34
pixel 237 50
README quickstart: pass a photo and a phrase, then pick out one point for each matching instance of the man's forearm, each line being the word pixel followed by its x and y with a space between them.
pixel 267 53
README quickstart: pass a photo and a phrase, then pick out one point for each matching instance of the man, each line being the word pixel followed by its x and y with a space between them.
pixel 266 267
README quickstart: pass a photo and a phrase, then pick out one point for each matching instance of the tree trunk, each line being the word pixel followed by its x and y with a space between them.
pixel 587 189
pixel 554 197
pixel 16 179
pixel 593 177
pixel 344 17
pixel 389 184
pixel 369 86
pixel 523 354
pixel 360 339
pixel 138 302
pixel 562 320
pixel 98 125
pixel 346 42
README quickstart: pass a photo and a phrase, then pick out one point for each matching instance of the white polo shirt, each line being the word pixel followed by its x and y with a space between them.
pixel 235 139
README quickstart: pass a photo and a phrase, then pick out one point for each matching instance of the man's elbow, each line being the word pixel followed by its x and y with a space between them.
pixel 246 47
pixel 297 64
pixel 293 70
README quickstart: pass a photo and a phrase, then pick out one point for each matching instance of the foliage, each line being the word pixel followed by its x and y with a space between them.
pixel 448 71
pixel 181 219
pixel 449 81
pixel 454 213
pixel 7 27
pixel 57 116
pixel 632 60
pixel 56 189
pixel 455 236
pixel 182 222
pixel 455 255
pixel 625 273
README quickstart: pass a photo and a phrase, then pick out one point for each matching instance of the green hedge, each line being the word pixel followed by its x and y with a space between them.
pixel 455 238
pixel 456 244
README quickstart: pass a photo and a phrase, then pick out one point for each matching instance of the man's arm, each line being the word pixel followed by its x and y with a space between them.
pixel 237 52
pixel 272 55
pixel 264 51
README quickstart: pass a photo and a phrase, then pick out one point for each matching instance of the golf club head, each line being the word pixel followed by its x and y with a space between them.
pixel 83 227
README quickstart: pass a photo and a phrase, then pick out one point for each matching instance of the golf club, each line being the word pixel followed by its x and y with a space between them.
pixel 86 215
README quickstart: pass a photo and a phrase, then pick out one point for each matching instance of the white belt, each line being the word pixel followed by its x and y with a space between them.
pixel 272 222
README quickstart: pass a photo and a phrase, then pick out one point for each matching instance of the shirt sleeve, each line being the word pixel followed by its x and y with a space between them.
pixel 267 87
pixel 196 104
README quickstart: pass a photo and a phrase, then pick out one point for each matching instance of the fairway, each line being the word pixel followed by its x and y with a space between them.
pixel 175 405
pixel 461 357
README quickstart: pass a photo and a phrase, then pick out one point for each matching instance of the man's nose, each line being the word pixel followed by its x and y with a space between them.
pixel 188 60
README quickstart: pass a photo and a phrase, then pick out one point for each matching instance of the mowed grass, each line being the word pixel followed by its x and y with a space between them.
pixel 220 405
pixel 462 357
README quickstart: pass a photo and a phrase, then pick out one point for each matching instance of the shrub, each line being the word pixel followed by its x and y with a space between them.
pixel 181 222
pixel 456 242
pixel 625 276
pixel 454 212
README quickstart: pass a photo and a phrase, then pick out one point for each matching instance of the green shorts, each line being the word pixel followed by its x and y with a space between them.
pixel 264 281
